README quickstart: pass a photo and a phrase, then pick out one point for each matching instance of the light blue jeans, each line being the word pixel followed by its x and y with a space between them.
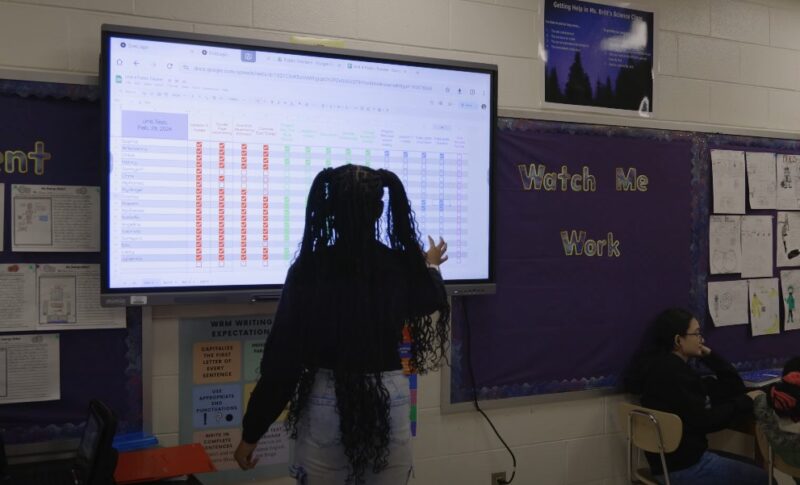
pixel 319 455
pixel 713 469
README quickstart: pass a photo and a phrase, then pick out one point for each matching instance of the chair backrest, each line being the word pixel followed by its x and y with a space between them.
pixel 645 425
pixel 777 461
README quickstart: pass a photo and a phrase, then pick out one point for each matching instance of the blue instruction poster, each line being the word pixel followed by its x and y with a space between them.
pixel 598 56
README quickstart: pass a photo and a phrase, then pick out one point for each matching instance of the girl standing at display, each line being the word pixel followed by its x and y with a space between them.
pixel 332 353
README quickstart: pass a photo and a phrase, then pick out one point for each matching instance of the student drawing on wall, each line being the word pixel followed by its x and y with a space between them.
pixel 722 303
pixel 725 261
pixel 756 307
pixel 785 232
pixel 786 183
pixel 784 236
pixel 790 304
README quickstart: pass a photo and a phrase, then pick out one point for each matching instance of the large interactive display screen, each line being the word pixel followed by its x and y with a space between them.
pixel 211 145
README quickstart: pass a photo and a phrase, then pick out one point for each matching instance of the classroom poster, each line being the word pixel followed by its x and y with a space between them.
pixel 220 363
pixel 787 242
pixel 764 306
pixel 761 180
pixel 17 297
pixel 727 302
pixel 69 298
pixel 728 179
pixel 598 56
pixel 725 244
pixel 30 368
pixel 55 218
pixel 790 291
pixel 756 246
pixel 788 181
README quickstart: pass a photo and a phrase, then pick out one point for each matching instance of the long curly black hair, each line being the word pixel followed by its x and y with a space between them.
pixel 346 229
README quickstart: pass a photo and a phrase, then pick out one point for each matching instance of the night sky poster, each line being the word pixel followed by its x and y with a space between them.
pixel 598 55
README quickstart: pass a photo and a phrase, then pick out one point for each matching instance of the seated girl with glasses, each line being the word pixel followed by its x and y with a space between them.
pixel 661 374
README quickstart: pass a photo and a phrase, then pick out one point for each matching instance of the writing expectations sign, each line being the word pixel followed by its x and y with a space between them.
pixel 598 55
pixel 593 240
pixel 220 361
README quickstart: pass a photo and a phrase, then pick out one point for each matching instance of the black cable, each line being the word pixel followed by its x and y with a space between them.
pixel 475 393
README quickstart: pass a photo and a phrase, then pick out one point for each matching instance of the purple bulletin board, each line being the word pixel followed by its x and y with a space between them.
pixel 564 320
pixel 104 364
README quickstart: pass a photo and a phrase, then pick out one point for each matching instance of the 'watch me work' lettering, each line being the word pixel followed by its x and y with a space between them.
pixel 537 177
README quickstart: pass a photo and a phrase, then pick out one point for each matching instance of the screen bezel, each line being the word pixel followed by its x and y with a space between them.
pixel 252 293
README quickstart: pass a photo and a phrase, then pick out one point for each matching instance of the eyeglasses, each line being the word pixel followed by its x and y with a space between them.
pixel 696 334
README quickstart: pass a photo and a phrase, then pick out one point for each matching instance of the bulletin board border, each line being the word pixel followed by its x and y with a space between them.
pixel 41 89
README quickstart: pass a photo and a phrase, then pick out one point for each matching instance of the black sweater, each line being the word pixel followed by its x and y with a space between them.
pixel 704 405
pixel 283 361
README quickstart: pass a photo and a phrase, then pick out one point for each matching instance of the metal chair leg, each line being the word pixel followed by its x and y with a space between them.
pixel 770 469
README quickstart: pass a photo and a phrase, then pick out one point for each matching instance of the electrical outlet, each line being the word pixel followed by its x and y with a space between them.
pixel 498 478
